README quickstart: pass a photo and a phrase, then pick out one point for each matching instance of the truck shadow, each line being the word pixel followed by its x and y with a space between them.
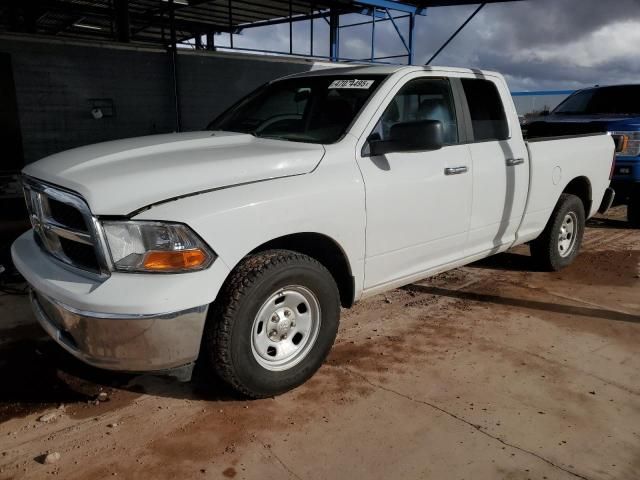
pixel 529 304
pixel 609 223
pixel 508 261
pixel 38 376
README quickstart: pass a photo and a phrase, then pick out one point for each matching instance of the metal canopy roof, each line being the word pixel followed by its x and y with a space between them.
pixel 154 21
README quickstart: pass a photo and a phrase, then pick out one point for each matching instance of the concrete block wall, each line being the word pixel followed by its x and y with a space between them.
pixel 209 84
pixel 56 80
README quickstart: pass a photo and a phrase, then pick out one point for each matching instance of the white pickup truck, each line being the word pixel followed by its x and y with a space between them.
pixel 238 245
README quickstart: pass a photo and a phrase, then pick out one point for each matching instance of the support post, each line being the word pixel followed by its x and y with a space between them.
pixel 397 29
pixel 172 27
pixel 163 31
pixel 412 30
pixel 455 34
pixel 123 26
pixel 334 35
pixel 210 41
pixel 373 34
pixel 290 27
pixel 174 65
pixel 311 34
pixel 198 39
pixel 230 25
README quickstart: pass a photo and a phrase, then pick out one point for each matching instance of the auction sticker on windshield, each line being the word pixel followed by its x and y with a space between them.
pixel 351 83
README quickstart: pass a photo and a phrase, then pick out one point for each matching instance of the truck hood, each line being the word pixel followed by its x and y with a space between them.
pixel 121 176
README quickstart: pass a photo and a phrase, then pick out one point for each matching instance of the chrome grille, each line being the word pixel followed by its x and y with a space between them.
pixel 64 226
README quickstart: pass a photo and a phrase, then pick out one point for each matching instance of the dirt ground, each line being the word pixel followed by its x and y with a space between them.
pixel 492 371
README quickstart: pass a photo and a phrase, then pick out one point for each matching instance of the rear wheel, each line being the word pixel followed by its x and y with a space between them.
pixel 273 323
pixel 560 241
pixel 633 209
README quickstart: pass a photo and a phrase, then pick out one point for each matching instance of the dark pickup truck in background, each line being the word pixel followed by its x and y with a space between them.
pixel 612 109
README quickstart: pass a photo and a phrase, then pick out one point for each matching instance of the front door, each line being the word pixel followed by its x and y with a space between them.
pixel 418 203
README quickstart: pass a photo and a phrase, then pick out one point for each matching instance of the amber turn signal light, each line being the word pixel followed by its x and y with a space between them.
pixel 622 143
pixel 174 260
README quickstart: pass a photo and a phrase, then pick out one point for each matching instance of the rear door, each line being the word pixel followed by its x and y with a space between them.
pixel 418 209
pixel 500 167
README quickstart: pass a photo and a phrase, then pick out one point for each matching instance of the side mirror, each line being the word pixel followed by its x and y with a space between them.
pixel 415 136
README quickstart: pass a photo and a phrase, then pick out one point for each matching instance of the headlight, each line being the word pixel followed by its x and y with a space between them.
pixel 155 247
pixel 627 143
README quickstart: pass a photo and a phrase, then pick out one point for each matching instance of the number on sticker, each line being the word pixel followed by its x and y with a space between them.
pixel 352 83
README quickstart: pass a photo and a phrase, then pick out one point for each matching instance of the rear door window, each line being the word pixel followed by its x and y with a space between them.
pixel 488 118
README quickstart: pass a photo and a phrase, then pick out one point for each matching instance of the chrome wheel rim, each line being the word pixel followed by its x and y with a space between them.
pixel 568 234
pixel 285 328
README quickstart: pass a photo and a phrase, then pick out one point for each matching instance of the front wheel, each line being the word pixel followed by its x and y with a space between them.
pixel 559 243
pixel 273 323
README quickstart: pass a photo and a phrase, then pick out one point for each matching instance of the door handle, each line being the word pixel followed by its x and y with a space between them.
pixel 512 162
pixel 455 170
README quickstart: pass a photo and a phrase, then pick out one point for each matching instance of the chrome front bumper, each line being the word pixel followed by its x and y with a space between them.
pixel 132 343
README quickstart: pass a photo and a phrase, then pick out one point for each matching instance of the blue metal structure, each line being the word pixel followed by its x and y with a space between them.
pixel 194 23
pixel 455 34
pixel 376 11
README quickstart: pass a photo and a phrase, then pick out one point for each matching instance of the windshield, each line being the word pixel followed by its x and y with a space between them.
pixel 305 109
pixel 622 100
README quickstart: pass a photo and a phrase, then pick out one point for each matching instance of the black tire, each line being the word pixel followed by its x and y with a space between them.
pixel 228 337
pixel 546 250
pixel 633 209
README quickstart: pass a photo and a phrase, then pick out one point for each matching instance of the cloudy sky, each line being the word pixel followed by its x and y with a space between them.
pixel 537 44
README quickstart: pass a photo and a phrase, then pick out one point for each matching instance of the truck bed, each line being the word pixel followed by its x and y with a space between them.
pixel 556 161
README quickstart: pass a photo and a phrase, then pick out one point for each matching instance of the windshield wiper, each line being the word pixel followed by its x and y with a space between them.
pixel 273 137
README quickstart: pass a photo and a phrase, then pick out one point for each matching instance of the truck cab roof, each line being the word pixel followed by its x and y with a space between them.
pixel 389 70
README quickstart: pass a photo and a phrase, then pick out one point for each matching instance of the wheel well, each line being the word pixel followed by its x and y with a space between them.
pixel 326 251
pixel 581 188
